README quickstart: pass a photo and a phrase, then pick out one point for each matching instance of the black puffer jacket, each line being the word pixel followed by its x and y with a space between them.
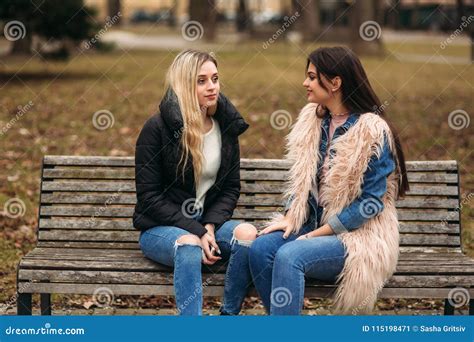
pixel 161 191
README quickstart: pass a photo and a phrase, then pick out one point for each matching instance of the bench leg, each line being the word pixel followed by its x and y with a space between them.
pixel 45 304
pixel 448 308
pixel 471 307
pixel 24 304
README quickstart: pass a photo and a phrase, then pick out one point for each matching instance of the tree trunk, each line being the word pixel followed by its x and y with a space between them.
pixel 461 11
pixel 173 11
pixel 392 15
pixel 113 8
pixel 398 8
pixel 204 12
pixel 365 32
pixel 242 20
pixel 472 46
pixel 310 23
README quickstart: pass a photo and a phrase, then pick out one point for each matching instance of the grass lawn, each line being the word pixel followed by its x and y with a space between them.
pixel 65 95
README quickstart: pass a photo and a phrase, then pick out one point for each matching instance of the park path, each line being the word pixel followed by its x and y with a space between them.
pixel 127 40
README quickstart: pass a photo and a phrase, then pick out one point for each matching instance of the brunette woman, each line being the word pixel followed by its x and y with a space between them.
pixel 340 222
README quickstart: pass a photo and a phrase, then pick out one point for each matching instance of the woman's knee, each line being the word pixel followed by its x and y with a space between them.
pixel 188 249
pixel 245 234
pixel 188 239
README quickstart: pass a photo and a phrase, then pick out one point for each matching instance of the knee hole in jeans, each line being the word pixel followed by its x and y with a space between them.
pixel 244 234
pixel 188 239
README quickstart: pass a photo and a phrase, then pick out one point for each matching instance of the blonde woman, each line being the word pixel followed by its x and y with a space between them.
pixel 188 183
pixel 348 168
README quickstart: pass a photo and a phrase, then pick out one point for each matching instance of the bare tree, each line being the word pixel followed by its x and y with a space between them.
pixel 365 31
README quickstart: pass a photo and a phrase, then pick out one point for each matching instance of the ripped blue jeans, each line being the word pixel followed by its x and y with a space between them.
pixel 160 245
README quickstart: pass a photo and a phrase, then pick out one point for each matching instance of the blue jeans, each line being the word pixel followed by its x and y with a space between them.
pixel 160 245
pixel 279 266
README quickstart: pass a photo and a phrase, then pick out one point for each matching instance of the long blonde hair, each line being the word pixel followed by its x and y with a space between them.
pixel 182 79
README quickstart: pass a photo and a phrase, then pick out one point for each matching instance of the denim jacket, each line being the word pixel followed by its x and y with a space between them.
pixel 373 188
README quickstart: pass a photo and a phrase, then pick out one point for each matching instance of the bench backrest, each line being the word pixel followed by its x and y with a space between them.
pixel 88 202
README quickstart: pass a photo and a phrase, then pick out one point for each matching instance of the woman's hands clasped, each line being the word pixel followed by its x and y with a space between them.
pixel 209 246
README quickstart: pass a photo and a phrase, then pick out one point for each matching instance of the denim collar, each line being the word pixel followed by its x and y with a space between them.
pixel 351 120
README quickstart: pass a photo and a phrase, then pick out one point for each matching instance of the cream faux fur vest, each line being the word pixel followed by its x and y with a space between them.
pixel 372 250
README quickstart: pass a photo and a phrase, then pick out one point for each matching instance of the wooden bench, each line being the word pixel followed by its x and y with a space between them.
pixel 86 241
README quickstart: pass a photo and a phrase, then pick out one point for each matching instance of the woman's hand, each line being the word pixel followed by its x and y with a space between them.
pixel 321 231
pixel 306 236
pixel 284 225
pixel 208 242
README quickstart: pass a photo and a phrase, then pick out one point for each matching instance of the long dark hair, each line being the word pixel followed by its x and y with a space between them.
pixel 357 93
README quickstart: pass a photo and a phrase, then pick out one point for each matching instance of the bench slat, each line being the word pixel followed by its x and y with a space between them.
pixel 245 175
pixel 257 188
pixel 130 236
pixel 134 246
pixel 217 291
pixel 84 254
pixel 454 261
pixel 141 275
pixel 104 224
pixel 273 201
pixel 104 211
pixel 263 175
pixel 136 259
pixel 138 277
pixel 245 162
pixel 89 244
pixel 217 279
pixel 321 291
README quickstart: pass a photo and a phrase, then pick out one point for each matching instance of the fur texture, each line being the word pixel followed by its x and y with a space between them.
pixel 372 250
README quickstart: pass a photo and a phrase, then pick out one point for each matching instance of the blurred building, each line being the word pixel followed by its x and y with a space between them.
pixel 399 14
